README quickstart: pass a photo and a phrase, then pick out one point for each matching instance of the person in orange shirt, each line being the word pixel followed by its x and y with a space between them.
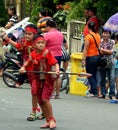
pixel 91 56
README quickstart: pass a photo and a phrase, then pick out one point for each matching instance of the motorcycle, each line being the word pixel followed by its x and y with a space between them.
pixel 10 70
pixel 11 76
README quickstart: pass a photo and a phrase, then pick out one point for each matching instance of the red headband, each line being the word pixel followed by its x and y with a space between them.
pixel 30 29
pixel 39 39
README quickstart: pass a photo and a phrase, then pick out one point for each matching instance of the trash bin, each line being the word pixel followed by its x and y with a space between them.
pixel 77 86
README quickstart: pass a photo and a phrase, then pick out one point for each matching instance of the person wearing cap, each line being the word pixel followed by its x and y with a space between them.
pixel 25 47
pixel 43 60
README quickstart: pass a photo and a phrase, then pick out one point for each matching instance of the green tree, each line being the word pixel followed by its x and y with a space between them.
pixel 3 13
pixel 105 10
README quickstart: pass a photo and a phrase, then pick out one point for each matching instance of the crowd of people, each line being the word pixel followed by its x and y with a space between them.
pixel 96 45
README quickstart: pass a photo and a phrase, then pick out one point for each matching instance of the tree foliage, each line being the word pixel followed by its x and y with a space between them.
pixel 105 10
pixel 3 13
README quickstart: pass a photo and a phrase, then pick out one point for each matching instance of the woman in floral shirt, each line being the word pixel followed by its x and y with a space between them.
pixel 106 48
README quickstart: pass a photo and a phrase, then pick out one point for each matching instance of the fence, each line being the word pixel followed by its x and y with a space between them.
pixel 74 35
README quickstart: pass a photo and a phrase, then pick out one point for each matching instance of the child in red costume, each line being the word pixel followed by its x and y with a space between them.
pixel 43 61
pixel 25 47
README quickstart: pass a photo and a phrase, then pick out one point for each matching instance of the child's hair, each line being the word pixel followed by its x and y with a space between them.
pixel 37 35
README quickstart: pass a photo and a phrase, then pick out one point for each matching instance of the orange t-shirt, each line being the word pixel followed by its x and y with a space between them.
pixel 92 49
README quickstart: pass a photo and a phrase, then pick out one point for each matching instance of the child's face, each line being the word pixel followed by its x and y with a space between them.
pixel 29 35
pixel 40 45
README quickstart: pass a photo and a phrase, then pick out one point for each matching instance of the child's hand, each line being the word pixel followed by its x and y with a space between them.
pixel 57 72
pixel 22 70
pixel 5 39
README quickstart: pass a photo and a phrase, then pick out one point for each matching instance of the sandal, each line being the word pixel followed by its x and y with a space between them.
pixel 31 117
pixel 52 123
pixel 101 96
pixel 55 97
pixel 40 117
pixel 46 125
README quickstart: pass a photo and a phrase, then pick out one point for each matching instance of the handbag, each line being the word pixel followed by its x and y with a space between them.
pixel 105 62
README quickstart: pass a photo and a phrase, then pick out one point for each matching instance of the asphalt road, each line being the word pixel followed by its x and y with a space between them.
pixel 72 112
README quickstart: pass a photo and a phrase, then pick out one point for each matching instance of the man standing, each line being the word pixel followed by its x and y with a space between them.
pixel 92 14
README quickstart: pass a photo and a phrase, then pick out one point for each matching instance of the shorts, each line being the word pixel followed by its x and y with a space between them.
pixel 33 83
pixel 65 55
pixel 116 72
pixel 58 58
pixel 45 89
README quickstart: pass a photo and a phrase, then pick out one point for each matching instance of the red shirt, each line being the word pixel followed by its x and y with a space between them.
pixel 25 47
pixel 42 61
pixel 93 19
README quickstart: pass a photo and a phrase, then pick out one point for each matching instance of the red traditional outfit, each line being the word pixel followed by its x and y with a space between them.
pixel 25 47
pixel 43 61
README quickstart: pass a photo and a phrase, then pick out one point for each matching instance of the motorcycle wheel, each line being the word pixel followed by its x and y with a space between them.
pixel 64 81
pixel 8 80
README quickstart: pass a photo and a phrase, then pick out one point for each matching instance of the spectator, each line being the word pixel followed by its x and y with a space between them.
pixel 106 49
pixel 116 63
pixel 54 40
pixel 13 18
pixel 91 56
pixel 43 18
pixel 86 14
pixel 65 55
pixel 92 17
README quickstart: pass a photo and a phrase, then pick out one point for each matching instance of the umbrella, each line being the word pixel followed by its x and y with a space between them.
pixel 112 23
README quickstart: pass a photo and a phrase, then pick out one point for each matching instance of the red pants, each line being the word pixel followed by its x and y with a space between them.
pixel 45 89
pixel 33 83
